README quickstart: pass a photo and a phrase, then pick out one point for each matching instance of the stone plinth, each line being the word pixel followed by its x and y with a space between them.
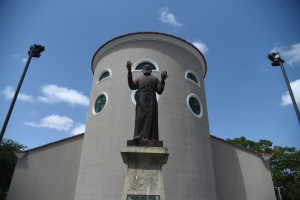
pixel 145 143
pixel 144 172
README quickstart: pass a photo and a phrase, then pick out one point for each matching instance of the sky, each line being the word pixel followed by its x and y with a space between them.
pixel 246 96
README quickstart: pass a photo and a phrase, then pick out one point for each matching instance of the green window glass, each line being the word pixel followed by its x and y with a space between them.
pixel 195 105
pixel 192 77
pixel 100 103
pixel 140 66
pixel 136 96
pixel 104 75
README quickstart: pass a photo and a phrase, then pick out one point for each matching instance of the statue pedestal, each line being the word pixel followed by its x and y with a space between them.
pixel 144 179
pixel 145 143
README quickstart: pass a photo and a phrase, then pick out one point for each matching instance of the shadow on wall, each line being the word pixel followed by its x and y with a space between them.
pixel 230 184
pixel 266 164
pixel 22 163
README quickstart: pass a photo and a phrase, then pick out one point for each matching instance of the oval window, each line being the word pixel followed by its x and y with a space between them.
pixel 194 105
pixel 192 77
pixel 106 73
pixel 100 103
pixel 138 66
pixel 135 96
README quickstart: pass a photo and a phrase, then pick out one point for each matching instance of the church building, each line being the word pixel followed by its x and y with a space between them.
pixel 89 166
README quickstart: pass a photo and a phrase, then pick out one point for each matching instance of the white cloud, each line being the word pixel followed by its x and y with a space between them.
pixel 15 55
pixel 286 99
pixel 54 94
pixel 51 94
pixel 33 112
pixel 24 60
pixel 60 123
pixel 80 128
pixel 167 17
pixel 9 93
pixel 291 55
pixel 201 46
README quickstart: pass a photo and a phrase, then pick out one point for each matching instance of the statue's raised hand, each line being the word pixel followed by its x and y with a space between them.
pixel 128 65
pixel 164 75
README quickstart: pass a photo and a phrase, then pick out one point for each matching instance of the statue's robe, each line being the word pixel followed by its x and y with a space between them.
pixel 146 113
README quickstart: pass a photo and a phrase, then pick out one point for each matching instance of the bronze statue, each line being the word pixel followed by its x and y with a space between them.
pixel 146 111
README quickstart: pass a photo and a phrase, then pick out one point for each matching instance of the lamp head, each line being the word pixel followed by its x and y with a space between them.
pixel 37 49
pixel 275 58
pixel 271 56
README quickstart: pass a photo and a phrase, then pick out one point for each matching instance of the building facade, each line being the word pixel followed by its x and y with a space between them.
pixel 198 166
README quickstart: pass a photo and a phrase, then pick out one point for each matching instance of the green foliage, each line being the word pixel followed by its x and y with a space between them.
pixel 7 163
pixel 262 146
pixel 284 165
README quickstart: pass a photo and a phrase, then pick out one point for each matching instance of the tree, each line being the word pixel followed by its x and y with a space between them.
pixel 284 165
pixel 7 163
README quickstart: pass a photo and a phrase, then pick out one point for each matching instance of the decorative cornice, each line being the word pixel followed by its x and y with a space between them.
pixel 149 36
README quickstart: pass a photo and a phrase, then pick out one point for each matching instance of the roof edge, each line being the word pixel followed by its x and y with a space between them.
pixel 48 144
pixel 149 32
pixel 241 147
pixel 82 134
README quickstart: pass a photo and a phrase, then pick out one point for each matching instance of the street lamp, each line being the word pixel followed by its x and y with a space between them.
pixel 35 51
pixel 279 194
pixel 277 61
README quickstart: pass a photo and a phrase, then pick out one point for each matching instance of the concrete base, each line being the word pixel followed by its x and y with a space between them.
pixel 145 143
pixel 144 175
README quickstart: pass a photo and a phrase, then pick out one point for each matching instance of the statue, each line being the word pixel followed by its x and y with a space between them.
pixel 146 111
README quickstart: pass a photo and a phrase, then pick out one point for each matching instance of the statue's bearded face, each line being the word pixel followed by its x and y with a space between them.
pixel 147 70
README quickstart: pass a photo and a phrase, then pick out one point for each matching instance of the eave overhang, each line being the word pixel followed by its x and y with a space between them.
pixel 155 36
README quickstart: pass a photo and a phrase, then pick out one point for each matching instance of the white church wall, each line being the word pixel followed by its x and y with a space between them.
pixel 240 174
pixel 48 173
pixel 189 173
pixel 199 166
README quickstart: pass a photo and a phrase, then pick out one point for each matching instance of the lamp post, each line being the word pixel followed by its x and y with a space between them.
pixel 35 51
pixel 277 61
pixel 279 194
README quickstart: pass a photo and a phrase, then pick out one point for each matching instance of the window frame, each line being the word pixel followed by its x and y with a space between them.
pixel 102 72
pixel 133 69
pixel 106 96
pixel 199 101
pixel 133 99
pixel 190 80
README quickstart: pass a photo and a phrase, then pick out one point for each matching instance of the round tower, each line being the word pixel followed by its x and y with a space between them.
pixel 182 113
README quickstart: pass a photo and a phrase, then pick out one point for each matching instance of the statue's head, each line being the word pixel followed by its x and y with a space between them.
pixel 147 70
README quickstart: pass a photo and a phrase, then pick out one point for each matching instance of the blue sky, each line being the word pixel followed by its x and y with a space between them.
pixel 246 96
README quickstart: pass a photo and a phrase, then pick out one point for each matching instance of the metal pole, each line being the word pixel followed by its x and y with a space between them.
pixel 290 90
pixel 16 94
pixel 278 188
